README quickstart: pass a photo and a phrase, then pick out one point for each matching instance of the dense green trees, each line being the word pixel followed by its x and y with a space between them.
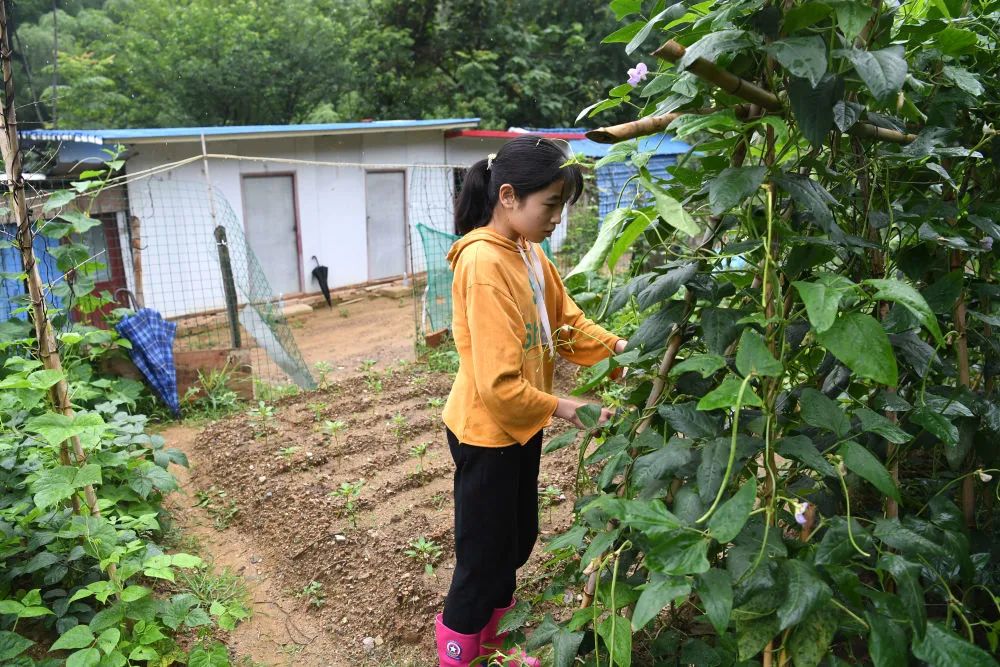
pixel 199 62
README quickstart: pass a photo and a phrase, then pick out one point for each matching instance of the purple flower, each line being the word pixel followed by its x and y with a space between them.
pixel 637 74
pixel 800 513
pixel 987 243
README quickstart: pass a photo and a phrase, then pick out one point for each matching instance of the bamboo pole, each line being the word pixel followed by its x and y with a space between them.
pixel 637 128
pixel 11 153
pixel 723 79
pixel 135 229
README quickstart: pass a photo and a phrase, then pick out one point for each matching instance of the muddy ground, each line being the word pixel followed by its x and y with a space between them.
pixel 332 586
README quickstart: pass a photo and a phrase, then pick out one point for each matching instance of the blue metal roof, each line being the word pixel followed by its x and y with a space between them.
pixel 658 144
pixel 155 134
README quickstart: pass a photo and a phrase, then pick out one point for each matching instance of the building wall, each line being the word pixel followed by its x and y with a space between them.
pixel 180 259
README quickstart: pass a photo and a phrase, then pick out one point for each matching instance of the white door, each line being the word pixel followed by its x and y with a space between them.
pixel 269 211
pixel 385 204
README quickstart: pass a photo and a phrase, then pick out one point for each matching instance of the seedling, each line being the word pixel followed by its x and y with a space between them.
pixel 317 409
pixel 287 452
pixel 435 402
pixel 439 499
pixel 261 416
pixel 399 425
pixel 350 491
pixel 419 452
pixel 344 313
pixel 424 551
pixel 314 594
pixel 323 369
pixel 333 429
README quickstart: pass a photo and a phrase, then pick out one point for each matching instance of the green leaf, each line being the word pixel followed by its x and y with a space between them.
pixel 963 79
pixel 616 632
pixel 954 41
pixel 812 106
pixel 657 594
pixel 936 424
pixel 812 198
pixel 10 607
pixel 822 412
pixel 561 440
pixel 670 210
pixel 133 593
pixel 685 418
pixel 516 617
pixel 753 636
pixel 719 328
pixel 732 186
pixel 680 553
pixel 12 645
pixel 727 394
pixel 883 71
pixel 804 15
pixel 78 636
pixel 667 285
pixel 589 414
pixel 941 647
pixel 907 576
pixel 942 294
pixel 729 519
pixel 899 292
pixel 594 259
pixel 804 57
pixel 714 43
pixel 753 357
pixel 58 199
pixel 705 365
pixel 53 485
pixel 835 548
pixel 634 228
pixel 801 449
pixel 805 592
pixel 886 641
pixel 810 641
pixel 860 342
pixel 643 33
pixel 822 298
pixel 715 589
pixel 851 18
pixel 864 464
pixel 846 114
pixel 872 422
pixel 108 640
pixel 80 222
pixel 623 8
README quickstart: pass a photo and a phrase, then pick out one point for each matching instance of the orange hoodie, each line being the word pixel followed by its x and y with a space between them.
pixel 503 391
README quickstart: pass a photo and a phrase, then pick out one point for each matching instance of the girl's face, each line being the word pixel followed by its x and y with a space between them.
pixel 535 216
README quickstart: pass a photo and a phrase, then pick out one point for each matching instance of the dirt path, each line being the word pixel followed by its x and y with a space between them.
pixel 330 586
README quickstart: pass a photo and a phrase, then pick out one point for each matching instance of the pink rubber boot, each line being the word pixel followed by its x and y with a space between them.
pixel 491 642
pixel 454 649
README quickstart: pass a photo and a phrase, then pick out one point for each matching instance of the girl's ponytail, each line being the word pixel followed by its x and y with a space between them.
pixel 473 207
pixel 528 164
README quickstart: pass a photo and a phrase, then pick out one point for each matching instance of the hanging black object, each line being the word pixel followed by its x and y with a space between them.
pixel 320 274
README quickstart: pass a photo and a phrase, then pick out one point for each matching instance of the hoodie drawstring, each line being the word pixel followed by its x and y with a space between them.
pixel 537 279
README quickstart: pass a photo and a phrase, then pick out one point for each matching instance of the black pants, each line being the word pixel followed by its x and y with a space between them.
pixel 496 525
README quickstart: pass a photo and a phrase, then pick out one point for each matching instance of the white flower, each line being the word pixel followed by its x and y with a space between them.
pixel 800 513
pixel 983 477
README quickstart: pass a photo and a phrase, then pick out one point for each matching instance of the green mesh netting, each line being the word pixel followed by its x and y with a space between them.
pixel 437 293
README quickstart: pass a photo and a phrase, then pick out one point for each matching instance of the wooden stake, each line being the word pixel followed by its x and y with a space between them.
pixel 135 229
pixel 11 152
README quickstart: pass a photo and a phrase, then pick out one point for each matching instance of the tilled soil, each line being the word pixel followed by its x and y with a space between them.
pixel 378 604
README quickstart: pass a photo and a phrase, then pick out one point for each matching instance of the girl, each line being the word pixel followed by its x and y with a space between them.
pixel 510 315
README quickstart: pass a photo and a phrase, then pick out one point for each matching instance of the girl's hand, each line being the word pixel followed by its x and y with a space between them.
pixel 619 373
pixel 620 346
pixel 566 409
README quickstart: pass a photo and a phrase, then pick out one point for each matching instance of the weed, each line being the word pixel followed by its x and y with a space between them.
pixel 424 551
pixel 314 594
pixel 214 502
pixel 344 313
pixel 350 491
pixel 435 402
pixel 439 499
pixel 419 452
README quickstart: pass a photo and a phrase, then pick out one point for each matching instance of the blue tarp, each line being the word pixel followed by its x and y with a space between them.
pixel 13 294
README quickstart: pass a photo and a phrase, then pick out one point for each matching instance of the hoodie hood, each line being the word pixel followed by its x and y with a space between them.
pixel 480 234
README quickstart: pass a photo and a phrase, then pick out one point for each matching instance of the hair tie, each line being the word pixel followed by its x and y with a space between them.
pixel 489 160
